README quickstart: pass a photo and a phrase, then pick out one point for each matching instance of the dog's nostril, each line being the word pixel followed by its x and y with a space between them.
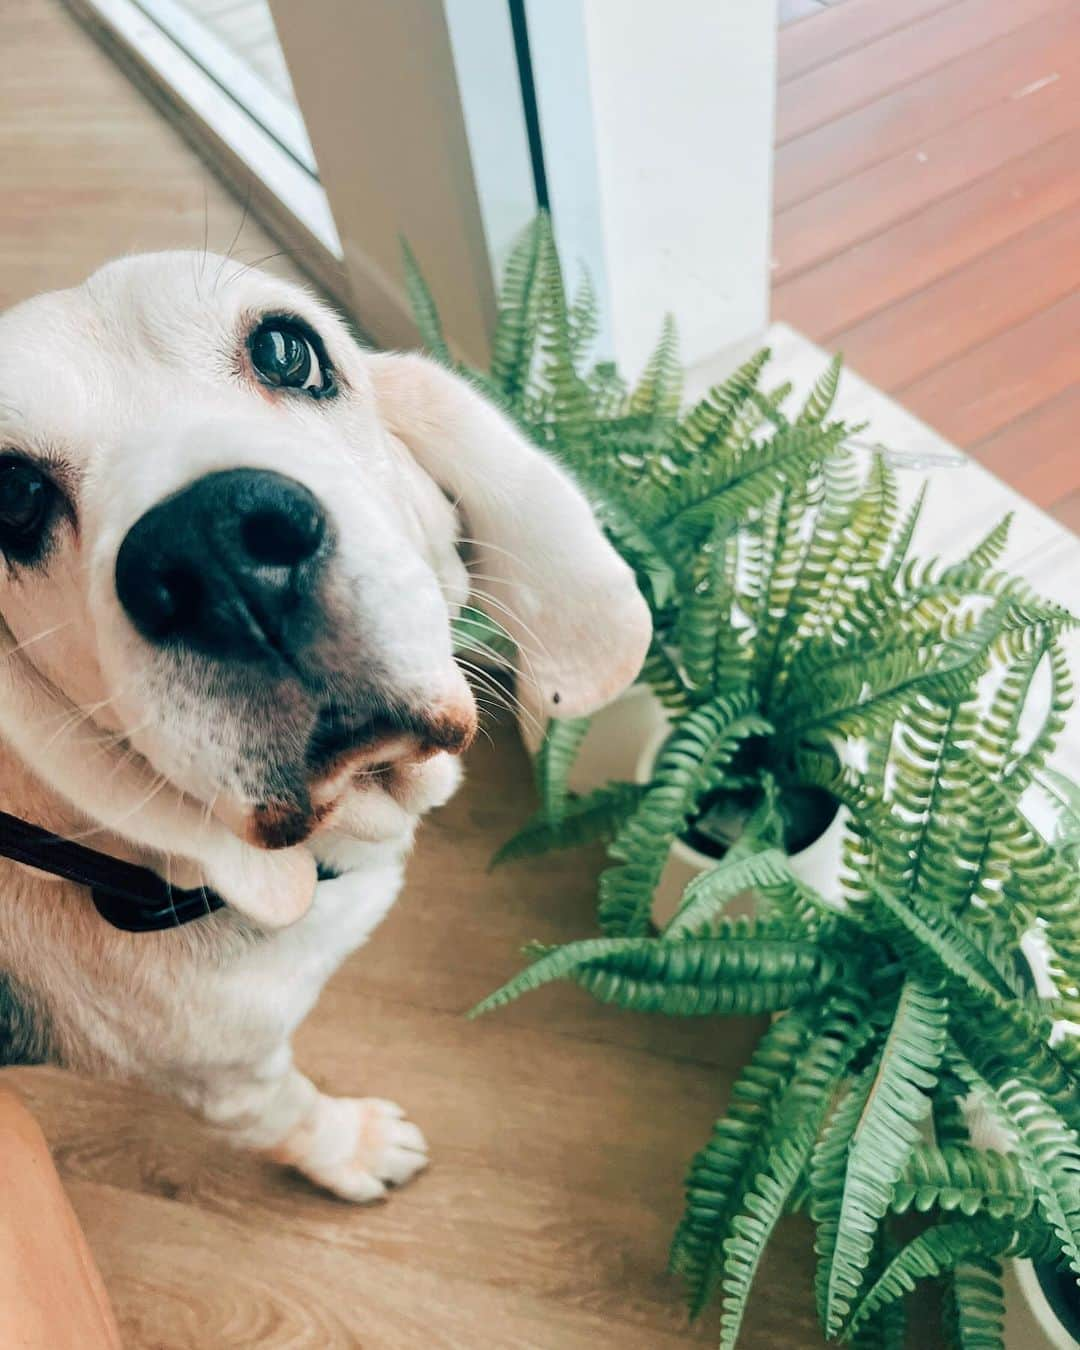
pixel 176 600
pixel 283 538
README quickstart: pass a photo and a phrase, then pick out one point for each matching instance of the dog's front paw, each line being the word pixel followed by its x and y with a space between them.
pixel 356 1147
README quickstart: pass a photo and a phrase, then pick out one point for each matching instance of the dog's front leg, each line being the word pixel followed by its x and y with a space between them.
pixel 353 1146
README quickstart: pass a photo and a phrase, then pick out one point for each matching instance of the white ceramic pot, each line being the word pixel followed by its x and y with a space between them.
pixel 818 864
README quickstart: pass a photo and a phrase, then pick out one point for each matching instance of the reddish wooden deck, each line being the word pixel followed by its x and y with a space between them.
pixel 927 217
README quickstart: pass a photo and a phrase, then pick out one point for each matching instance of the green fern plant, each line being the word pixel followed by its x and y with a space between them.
pixel 804 659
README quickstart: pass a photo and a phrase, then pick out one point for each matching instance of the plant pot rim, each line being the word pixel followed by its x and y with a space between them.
pixel 1050 1324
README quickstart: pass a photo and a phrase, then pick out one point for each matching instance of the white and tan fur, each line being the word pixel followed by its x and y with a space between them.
pixel 128 388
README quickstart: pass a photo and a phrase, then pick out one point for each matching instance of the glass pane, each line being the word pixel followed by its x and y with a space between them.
pixel 236 44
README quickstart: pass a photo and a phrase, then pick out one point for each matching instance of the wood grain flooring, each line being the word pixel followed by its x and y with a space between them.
pixel 926 207
pixel 927 218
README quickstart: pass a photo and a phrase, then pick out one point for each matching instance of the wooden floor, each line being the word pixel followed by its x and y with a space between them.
pixel 928 218
pixel 926 221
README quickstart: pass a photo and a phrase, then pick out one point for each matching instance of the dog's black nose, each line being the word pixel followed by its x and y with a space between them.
pixel 228 566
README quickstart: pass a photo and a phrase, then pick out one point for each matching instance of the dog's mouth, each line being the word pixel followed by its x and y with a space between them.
pixel 347 749
pixel 341 735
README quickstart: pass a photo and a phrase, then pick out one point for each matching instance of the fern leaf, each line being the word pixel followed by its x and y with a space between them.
pixel 710 421
pixel 940 1249
pixel 553 763
pixel 841 1033
pixel 968 1180
pixel 828 1169
pixel 665 679
pixel 989 550
pixel 517 330
pixel 975 1306
pixel 745 481
pixel 750 1230
pixel 584 325
pixel 887 1328
pixel 708 641
pixel 424 310
pixel 945 944
pixel 582 820
pixel 823 395
pixel 701 743
pixel 746 969
pixel 706 896
pixel 1046 1148
pixel 902 542
pixel 718 1171
pixel 659 391
pixel 885 1136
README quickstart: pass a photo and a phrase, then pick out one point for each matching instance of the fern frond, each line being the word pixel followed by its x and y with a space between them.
pixel 988 550
pixel 945 944
pixel 842 1030
pixel 940 1249
pixel 728 487
pixel 517 330
pixel 581 820
pixel 902 542
pixel 768 870
pixel 665 679
pixel 424 310
pixel 718 1172
pixel 969 1180
pixel 1046 1148
pixel 583 325
pixel 823 395
pixel 828 1171
pixel 553 762
pixel 748 968
pixel 700 744
pixel 974 1306
pixel 659 390
pixel 896 1107
pixel 708 641
pixel 711 420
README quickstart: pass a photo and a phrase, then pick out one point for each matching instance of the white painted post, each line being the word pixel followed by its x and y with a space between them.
pixel 657 122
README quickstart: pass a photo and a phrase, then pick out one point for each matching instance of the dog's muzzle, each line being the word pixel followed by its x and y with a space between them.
pixel 228 567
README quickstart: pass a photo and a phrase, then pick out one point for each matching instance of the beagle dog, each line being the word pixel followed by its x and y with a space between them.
pixel 231 549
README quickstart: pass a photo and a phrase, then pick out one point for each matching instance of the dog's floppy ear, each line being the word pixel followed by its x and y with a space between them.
pixel 559 588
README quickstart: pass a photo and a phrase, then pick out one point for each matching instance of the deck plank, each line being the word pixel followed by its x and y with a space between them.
pixel 861 76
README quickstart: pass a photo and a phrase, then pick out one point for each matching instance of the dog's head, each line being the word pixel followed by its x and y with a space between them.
pixel 233 538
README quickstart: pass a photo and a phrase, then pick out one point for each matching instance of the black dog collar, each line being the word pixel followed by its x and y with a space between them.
pixel 129 897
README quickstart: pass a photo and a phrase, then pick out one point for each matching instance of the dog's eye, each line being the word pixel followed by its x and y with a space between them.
pixel 26 496
pixel 285 357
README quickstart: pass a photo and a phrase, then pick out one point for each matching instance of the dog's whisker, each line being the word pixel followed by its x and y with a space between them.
pixel 510 701
pixel 497 548
pixel 38 637
pixel 236 237
pixel 499 604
